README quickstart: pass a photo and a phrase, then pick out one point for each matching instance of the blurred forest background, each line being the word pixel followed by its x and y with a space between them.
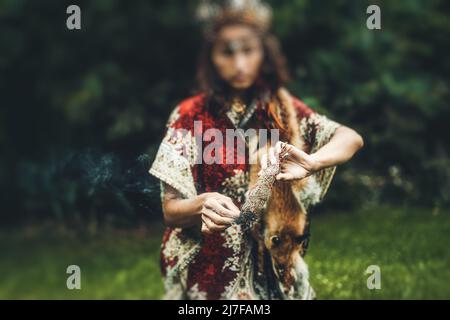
pixel 83 111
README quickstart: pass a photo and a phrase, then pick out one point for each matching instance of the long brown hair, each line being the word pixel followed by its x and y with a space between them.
pixel 272 76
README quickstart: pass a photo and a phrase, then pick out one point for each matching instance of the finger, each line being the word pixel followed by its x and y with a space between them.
pixel 223 206
pixel 205 229
pixel 284 176
pixel 286 148
pixel 208 223
pixel 232 214
pixel 211 225
pixel 272 157
pixel 229 204
pixel 264 161
pixel 226 210
pixel 289 146
pixel 217 218
pixel 278 147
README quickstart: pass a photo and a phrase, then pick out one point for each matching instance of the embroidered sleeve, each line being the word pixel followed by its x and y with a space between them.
pixel 317 130
pixel 175 158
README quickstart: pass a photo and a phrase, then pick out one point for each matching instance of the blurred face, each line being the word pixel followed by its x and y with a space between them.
pixel 237 55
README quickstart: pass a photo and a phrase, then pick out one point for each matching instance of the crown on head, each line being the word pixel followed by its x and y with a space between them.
pixel 254 12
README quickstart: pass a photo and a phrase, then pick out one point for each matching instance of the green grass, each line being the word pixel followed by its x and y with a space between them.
pixel 411 247
pixel 114 265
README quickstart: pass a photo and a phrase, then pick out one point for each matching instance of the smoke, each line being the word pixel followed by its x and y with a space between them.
pixel 127 179
pixel 109 172
pixel 90 182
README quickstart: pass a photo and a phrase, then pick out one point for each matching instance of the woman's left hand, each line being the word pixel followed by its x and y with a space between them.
pixel 297 165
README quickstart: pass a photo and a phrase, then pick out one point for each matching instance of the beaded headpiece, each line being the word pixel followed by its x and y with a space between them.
pixel 253 12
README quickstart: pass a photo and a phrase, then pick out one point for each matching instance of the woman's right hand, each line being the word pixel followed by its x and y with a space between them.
pixel 218 212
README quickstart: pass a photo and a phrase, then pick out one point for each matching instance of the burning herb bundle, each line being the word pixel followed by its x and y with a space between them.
pixel 259 195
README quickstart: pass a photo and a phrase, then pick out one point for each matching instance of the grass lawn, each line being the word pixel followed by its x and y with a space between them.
pixel 411 247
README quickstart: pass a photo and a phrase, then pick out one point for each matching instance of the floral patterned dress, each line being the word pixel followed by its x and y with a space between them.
pixel 223 265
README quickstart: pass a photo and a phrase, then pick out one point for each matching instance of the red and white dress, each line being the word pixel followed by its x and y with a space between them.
pixel 222 265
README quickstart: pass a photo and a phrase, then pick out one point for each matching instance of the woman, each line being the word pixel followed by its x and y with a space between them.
pixel 242 74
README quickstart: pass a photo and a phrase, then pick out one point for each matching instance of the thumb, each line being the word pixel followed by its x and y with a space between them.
pixel 205 229
pixel 284 176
